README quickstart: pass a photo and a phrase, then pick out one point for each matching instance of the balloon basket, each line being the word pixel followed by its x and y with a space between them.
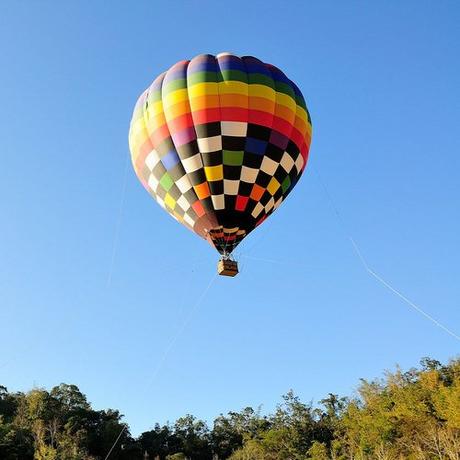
pixel 227 267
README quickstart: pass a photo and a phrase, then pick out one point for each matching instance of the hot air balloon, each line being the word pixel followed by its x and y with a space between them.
pixel 219 142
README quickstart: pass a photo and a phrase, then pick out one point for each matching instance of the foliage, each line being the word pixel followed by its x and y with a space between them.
pixel 412 415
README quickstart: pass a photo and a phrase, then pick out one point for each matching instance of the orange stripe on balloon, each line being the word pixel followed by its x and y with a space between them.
pixel 233 100
pixel 285 113
pixel 178 109
pixel 209 101
pixel 300 124
pixel 261 103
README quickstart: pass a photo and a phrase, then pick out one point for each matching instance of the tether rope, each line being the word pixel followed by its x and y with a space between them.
pixel 372 272
pixel 170 346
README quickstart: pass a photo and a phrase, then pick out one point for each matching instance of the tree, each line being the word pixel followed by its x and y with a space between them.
pixel 253 450
pixel 70 397
pixel 318 451
pixel 194 437
pixel 159 442
pixel 226 437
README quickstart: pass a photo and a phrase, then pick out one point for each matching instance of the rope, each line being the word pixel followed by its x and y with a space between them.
pixel 257 241
pixel 376 275
pixel 402 296
pixel 112 260
pixel 180 331
pixel 168 350
pixel 115 443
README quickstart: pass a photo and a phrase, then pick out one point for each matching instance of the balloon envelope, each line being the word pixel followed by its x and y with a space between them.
pixel 219 142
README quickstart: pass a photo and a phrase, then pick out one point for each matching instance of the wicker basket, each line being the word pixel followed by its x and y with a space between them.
pixel 227 267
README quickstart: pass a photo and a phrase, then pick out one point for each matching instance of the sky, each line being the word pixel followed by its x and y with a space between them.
pixel 99 287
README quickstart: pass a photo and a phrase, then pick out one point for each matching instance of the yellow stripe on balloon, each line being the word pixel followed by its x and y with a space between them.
pixel 262 91
pixel 233 87
pixel 174 97
pixel 203 89
pixel 234 100
pixel 155 108
pixel 137 128
pixel 302 114
pixel 287 101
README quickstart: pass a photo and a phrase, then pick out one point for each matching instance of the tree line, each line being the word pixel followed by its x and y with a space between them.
pixel 405 415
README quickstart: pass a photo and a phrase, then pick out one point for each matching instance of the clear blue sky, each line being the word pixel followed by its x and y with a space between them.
pixel 382 83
